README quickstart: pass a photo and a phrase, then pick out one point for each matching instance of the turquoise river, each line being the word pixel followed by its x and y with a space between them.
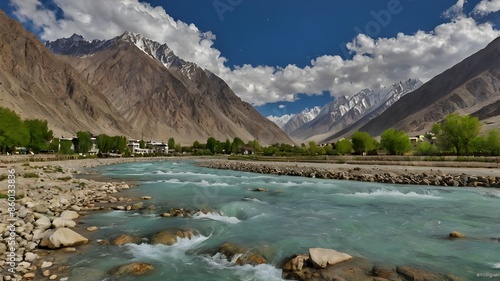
pixel 391 224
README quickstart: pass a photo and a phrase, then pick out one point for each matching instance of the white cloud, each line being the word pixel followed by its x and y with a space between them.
pixel 456 10
pixel 375 62
pixel 486 7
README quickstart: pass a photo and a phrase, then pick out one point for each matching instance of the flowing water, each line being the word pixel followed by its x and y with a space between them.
pixel 391 224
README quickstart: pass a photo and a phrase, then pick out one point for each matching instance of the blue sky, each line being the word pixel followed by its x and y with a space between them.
pixel 281 52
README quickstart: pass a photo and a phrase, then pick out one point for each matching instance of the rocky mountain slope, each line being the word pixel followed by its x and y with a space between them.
pixel 36 84
pixel 299 120
pixel 163 95
pixel 471 86
pixel 345 111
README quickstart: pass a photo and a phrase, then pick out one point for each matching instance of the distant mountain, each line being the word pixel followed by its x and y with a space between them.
pixel 345 111
pixel 280 120
pixel 299 120
pixel 163 95
pixel 471 86
pixel 36 84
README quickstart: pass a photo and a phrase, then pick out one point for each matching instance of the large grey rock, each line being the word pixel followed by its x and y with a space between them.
pixel 69 215
pixel 60 222
pixel 322 258
pixel 43 223
pixel 62 237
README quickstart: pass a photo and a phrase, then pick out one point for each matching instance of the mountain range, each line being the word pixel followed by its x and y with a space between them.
pixel 470 87
pixel 345 111
pixel 127 85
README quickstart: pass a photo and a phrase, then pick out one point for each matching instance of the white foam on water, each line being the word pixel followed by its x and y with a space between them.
pixel 160 252
pixel 261 272
pixel 216 217
pixel 206 183
pixel 393 193
pixel 496 265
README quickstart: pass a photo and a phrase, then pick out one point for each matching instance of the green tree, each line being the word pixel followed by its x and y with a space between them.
pixel 40 135
pixel 256 145
pixel 84 144
pixel 362 142
pixel 344 146
pixel 211 145
pixel 103 143
pixel 227 146
pixel 13 132
pixel 314 149
pixel 329 150
pixel 395 142
pixel 426 148
pixel 457 131
pixel 493 142
pixel 178 147
pixel 65 147
pixel 171 143
pixel 236 145
pixel 142 144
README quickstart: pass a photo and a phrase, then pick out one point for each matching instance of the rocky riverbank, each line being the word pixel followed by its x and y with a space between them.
pixel 434 176
pixel 40 207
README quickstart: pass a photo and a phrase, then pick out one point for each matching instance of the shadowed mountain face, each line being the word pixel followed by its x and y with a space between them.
pixel 471 86
pixel 36 84
pixel 162 95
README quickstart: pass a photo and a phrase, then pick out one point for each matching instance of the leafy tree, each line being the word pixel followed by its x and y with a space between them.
pixel 237 143
pixel 65 147
pixel 54 145
pixel 142 144
pixel 178 147
pixel 13 132
pixel 198 145
pixel 344 146
pixel 211 145
pixel 84 144
pixel 227 146
pixel 103 143
pixel 256 145
pixel 314 149
pixel 363 142
pixel 457 131
pixel 493 142
pixel 395 142
pixel 426 148
pixel 171 143
pixel 40 135
pixel 329 150
pixel 270 151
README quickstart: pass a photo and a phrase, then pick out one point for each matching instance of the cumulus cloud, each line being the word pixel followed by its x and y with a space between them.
pixel 486 7
pixel 375 61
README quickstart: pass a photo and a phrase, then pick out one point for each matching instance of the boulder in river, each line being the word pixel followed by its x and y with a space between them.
pixel 136 268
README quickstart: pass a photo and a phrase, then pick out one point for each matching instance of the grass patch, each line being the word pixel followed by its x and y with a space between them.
pixel 25 164
pixel 5 196
pixel 30 175
pixel 65 178
pixel 3 177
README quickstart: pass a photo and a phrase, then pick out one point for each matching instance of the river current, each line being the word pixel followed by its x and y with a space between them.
pixel 384 223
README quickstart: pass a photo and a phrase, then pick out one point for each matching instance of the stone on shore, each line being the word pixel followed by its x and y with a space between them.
pixel 60 222
pixel 62 237
pixel 322 258
pixel 126 239
pixel 146 197
pixel 296 263
pixel 43 223
pixel 69 215
pixel 136 268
